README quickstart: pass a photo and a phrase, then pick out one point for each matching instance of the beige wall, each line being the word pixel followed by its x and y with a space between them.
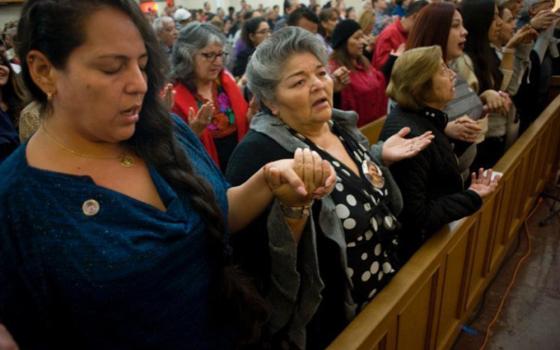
pixel 9 13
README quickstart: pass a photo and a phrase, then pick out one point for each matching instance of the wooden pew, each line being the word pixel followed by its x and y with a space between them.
pixel 437 291
pixel 373 130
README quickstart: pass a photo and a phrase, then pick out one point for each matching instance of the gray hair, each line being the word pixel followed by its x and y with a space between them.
pixel 158 23
pixel 264 70
pixel 192 38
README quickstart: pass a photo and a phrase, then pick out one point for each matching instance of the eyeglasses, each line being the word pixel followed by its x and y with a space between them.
pixel 211 56
pixel 263 31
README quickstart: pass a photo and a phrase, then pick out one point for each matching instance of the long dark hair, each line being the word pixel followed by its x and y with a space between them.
pixel 13 93
pixel 432 27
pixel 250 27
pixel 477 19
pixel 55 28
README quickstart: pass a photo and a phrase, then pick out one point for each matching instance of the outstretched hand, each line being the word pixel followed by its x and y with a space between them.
pixel 484 183
pixel 296 182
pixel 397 147
pixel 168 95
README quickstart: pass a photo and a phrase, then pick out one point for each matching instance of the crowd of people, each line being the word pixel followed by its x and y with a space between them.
pixel 199 179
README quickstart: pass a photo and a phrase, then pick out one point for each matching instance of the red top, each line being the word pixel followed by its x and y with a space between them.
pixel 389 39
pixel 365 94
pixel 184 100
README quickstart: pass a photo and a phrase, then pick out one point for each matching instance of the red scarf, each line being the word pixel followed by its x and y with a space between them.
pixel 184 100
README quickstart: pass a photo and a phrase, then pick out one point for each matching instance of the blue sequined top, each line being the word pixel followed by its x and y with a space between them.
pixel 129 277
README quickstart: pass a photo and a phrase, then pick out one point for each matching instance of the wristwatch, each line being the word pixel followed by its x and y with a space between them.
pixel 296 212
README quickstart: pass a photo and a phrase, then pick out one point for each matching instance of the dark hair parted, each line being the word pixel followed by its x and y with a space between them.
pixel 432 27
pixel 55 28
pixel 478 16
pixel 415 7
pixel 250 27
pixel 302 12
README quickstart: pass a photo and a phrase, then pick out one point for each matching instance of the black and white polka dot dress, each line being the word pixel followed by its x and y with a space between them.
pixel 362 207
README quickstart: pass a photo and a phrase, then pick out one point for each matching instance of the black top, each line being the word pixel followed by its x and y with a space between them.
pixel 241 61
pixel 369 225
pixel 431 185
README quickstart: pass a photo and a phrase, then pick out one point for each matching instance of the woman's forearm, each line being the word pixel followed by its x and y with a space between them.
pixel 247 201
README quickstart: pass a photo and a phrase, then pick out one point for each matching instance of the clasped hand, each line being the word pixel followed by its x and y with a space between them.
pixel 463 129
pixel 296 182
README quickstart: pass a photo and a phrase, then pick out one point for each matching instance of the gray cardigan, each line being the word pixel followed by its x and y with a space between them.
pixel 295 295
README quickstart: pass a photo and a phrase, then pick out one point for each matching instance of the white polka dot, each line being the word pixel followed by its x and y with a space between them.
pixel 342 211
pixel 387 267
pixel 367 206
pixel 377 249
pixel 349 272
pixel 357 156
pixel 362 147
pixel 349 223
pixel 375 201
pixel 388 221
pixel 351 200
pixel 369 235
pixel 360 238
pixel 351 245
pixel 364 256
pixel 386 192
pixel 374 268
pixel 365 276
pixel 372 293
pixel 336 164
pixel 346 172
pixel 373 223
pixel 395 242
pixel 380 275
pixel 339 187
pixel 367 156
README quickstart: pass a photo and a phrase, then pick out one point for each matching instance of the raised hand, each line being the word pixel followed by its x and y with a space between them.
pixel 524 35
pixel 199 121
pixel 495 102
pixel 484 183
pixel 168 96
pixel 397 147
pixel 341 78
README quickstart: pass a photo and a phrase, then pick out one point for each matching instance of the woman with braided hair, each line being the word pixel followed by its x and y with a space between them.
pixel 115 221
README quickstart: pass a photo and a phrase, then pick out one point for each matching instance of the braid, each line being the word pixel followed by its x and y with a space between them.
pixel 233 296
pixel 55 28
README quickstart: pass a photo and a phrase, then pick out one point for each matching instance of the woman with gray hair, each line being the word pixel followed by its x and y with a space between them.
pixel 320 262
pixel 207 97
pixel 432 188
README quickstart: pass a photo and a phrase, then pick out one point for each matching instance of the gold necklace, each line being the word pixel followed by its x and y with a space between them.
pixel 125 160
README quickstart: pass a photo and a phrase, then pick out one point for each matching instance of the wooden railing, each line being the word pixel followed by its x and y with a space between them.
pixel 373 130
pixel 437 291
